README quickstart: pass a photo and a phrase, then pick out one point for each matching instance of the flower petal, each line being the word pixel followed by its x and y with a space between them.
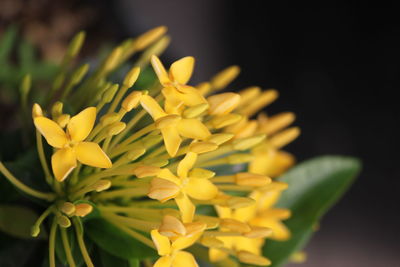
pixel 279 231
pixel 181 70
pixel 184 259
pixel 159 70
pixel 163 190
pixel 201 189
pixel 186 164
pixel 80 125
pixel 172 140
pixel 186 207
pixel 190 95
pixel 51 131
pixel 152 107
pixel 166 174
pixel 91 154
pixel 165 261
pixel 161 242
pixel 63 162
pixel 193 128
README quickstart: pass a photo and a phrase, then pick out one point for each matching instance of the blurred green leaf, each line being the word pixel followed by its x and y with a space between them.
pixel 17 221
pixel 314 186
pixel 115 241
pixel 109 260
pixel 7 42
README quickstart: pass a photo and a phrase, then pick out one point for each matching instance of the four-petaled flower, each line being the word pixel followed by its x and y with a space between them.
pixel 171 238
pixel 187 184
pixel 69 144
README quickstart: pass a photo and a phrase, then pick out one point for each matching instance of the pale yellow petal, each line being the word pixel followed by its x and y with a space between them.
pixel 80 125
pixel 193 128
pixel 186 207
pixel 91 154
pixel 51 131
pixel 186 164
pixel 162 190
pixel 184 259
pixel 159 70
pixel 165 261
pixel 172 140
pixel 181 70
pixel 201 189
pixel 63 162
pixel 152 107
pixel 168 175
pixel 185 241
pixel 161 242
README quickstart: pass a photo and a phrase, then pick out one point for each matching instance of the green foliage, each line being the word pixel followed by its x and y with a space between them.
pixel 115 241
pixel 314 186
pixel 17 221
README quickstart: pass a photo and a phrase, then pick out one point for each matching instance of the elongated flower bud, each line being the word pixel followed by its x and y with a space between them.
pixel 249 142
pixel 131 77
pixel 149 37
pixel 234 225
pixel 68 208
pixel 132 100
pixel 36 111
pixel 83 209
pixel 63 221
pixel 250 258
pixel 251 179
pixel 203 147
pixel 225 120
pixel 222 104
pixel 225 77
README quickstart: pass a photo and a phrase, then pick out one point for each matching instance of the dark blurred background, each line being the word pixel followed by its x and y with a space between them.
pixel 337 68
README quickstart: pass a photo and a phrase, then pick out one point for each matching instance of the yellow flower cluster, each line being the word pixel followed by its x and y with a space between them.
pixel 169 152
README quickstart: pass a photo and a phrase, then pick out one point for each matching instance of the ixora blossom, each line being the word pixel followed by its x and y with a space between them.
pixel 70 145
pixel 159 171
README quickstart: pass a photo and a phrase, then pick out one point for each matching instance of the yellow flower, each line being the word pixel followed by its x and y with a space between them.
pixel 188 183
pixel 173 126
pixel 70 146
pixel 174 82
pixel 171 238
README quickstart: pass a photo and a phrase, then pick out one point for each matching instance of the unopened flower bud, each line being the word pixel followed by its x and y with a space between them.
pixel 102 185
pixel 132 100
pixel 36 111
pixel 251 179
pixel 247 143
pixel 25 85
pixel 202 147
pixel 78 75
pixel 239 202
pixel 239 158
pixel 109 94
pixel 203 88
pixel 112 59
pixel 258 232
pixel 131 77
pixel 76 44
pixel 68 208
pixel 225 120
pixel 260 102
pixel 225 77
pixel 116 128
pixel 201 173
pixel 234 225
pixel 223 104
pixel 220 138
pixel 109 118
pixel 149 37
pixel 211 242
pixel 285 137
pixel 135 153
pixel 249 94
pixel 276 123
pixel 146 171
pixel 83 209
pixel 250 258
pixel 57 109
pixel 63 221
pixel 195 111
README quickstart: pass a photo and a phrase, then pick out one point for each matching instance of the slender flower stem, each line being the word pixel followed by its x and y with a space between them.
pixel 39 221
pixel 82 247
pixel 128 192
pixel 24 188
pixel 128 127
pixel 42 158
pixel 67 248
pixel 134 234
pixel 137 135
pixel 52 243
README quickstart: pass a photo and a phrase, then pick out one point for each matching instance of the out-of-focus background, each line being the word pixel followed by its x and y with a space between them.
pixel 336 67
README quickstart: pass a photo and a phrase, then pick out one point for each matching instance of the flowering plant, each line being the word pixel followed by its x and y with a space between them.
pixel 153 170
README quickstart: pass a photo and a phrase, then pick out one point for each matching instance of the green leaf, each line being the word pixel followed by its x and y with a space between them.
pixel 17 221
pixel 115 241
pixel 314 186
pixel 109 260
pixel 7 42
